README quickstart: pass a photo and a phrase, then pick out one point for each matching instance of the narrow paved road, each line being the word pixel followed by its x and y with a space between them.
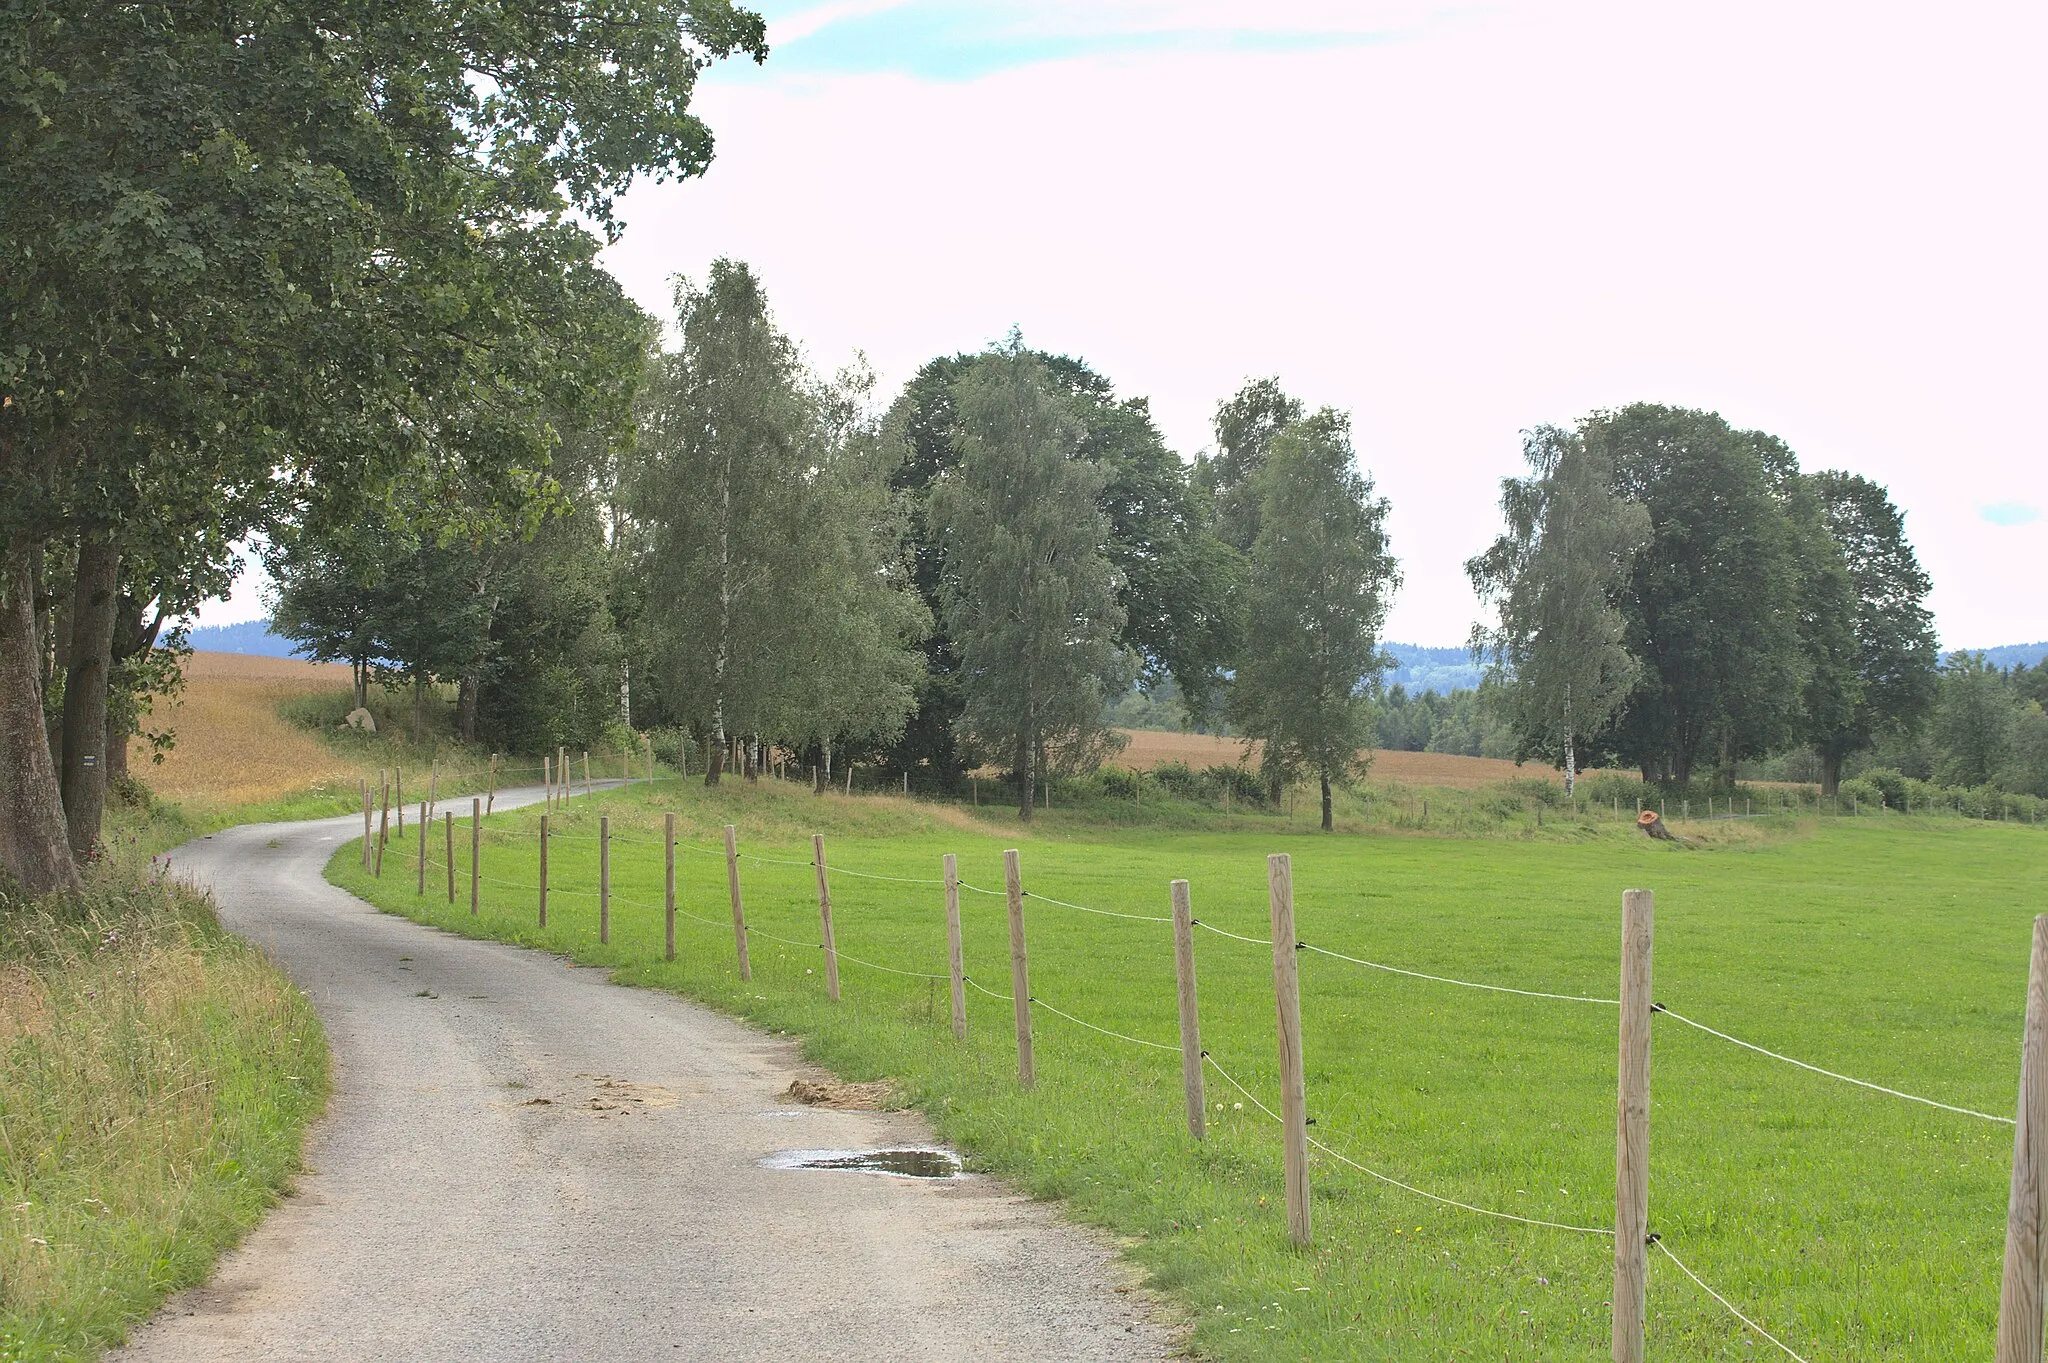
pixel 523 1161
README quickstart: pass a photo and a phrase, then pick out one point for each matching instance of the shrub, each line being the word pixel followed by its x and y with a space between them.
pixel 1119 783
pixel 1889 784
pixel 1178 778
pixel 1243 783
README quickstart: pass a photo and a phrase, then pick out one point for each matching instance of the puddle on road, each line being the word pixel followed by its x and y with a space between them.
pixel 906 1162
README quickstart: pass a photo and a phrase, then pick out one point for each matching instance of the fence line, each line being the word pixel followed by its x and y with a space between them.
pixel 1658 1008
pixel 1207 1058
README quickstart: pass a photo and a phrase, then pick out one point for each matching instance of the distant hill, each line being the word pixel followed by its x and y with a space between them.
pixel 1433 669
pixel 2012 655
pixel 1415 667
pixel 251 636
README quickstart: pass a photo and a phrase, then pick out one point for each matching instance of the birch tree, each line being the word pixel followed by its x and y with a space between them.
pixel 1030 596
pixel 1321 579
pixel 776 602
pixel 1557 657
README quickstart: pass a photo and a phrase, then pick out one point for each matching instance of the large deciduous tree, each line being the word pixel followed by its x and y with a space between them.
pixel 1896 654
pixel 1321 580
pixel 1558 661
pixel 1712 601
pixel 1030 594
pixel 259 259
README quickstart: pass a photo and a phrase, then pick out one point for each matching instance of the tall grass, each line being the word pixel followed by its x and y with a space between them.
pixel 156 1076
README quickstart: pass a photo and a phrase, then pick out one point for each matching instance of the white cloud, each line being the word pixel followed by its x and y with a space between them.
pixel 1821 221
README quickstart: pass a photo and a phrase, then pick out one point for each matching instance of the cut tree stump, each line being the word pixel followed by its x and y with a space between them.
pixel 1652 825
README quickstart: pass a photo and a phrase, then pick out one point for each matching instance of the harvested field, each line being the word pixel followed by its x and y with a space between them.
pixel 1149 747
pixel 232 747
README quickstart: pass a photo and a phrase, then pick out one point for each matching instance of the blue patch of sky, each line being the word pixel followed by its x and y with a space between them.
pixel 2009 513
pixel 959 40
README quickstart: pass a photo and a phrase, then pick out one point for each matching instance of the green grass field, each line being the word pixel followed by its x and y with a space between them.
pixel 1847 1222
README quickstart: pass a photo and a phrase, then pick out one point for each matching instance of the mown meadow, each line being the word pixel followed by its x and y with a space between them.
pixel 1846 1222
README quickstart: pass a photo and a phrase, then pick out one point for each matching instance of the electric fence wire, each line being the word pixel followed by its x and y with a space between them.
pixel 1659 1008
pixel 1657 1241
pixel 1726 1304
pixel 973 983
pixel 1106 913
pixel 1079 1022
pixel 1847 1079
pixel 1405 1187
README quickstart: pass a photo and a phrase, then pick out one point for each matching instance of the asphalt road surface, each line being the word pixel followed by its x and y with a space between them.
pixel 523 1161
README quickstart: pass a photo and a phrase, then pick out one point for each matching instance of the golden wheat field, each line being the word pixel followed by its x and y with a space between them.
pixel 1149 747
pixel 232 746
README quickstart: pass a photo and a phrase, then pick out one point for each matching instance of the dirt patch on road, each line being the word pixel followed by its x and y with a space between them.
pixel 822 1090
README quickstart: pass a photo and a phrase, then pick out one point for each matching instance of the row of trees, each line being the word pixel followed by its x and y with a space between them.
pixel 967 574
pixel 964 576
pixel 312 265
pixel 1675 594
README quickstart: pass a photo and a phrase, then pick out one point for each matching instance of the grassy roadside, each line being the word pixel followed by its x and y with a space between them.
pixel 156 1078
pixel 1848 1223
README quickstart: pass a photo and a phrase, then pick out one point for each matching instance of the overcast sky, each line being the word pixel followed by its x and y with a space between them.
pixel 1452 221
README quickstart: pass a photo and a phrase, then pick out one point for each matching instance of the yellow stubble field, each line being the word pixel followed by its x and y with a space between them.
pixel 232 746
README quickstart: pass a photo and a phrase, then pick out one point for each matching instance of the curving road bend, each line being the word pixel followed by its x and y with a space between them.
pixel 523 1161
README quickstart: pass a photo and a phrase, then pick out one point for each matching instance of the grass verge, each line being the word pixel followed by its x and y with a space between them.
pixel 156 1078
pixel 1848 1223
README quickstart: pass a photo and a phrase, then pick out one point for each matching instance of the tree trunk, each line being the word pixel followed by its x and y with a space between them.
pixel 361 669
pixel 32 845
pixel 1026 780
pixel 84 776
pixel 465 708
pixel 714 751
pixel 1326 802
pixel 753 758
pixel 1830 771
pixel 1571 752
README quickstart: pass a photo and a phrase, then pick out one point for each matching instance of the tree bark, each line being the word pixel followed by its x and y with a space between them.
pixel 1326 803
pixel 1571 752
pixel 465 709
pixel 1830 771
pixel 84 776
pixel 1026 780
pixel 32 840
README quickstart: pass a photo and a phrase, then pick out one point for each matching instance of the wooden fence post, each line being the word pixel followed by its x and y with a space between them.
pixel 433 787
pixel 604 872
pixel 398 796
pixel 2019 1297
pixel 366 821
pixel 1190 1015
pixel 1287 1001
pixel 383 832
pixel 491 800
pixel 739 914
pixel 543 870
pixel 954 961
pixel 448 826
pixel 668 843
pixel 547 782
pixel 586 772
pixel 476 847
pixel 422 888
pixel 561 773
pixel 1632 1130
pixel 825 918
pixel 1020 973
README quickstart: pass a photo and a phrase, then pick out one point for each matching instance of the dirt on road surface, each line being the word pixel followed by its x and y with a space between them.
pixel 523 1161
